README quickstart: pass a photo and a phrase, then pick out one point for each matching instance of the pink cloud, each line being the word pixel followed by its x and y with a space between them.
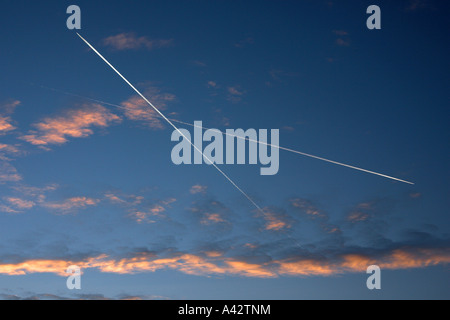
pixel 129 41
pixel 138 110
pixel 7 109
pixel 20 203
pixel 198 189
pixel 70 204
pixel 74 124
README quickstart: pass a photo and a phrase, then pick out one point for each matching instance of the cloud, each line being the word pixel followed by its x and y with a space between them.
pixel 218 264
pixel 415 5
pixel 307 207
pixel 129 41
pixel 9 107
pixel 211 213
pixel 199 63
pixel 6 109
pixel 71 204
pixel 20 203
pixel 198 189
pixel 8 149
pixel 141 216
pixel 8 173
pixel 235 94
pixel 139 110
pixel 361 212
pixel 211 218
pixel 340 32
pixel 342 39
pixel 139 208
pixel 5 124
pixel 343 43
pixel 38 194
pixel 49 296
pixel 415 195
pixel 276 219
pixel 212 84
pixel 74 124
pixel 244 42
pixel 357 216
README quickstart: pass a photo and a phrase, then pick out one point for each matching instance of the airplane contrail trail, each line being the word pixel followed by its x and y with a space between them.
pixel 243 138
pixel 175 127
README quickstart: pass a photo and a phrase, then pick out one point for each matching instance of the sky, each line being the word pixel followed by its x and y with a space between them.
pixel 86 176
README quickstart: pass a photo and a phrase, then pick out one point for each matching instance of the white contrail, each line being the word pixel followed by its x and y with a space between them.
pixel 243 138
pixel 178 130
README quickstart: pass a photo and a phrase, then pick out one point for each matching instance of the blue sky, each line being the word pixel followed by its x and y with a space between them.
pixel 91 184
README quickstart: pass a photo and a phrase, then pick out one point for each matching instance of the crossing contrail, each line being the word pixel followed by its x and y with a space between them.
pixel 240 137
pixel 175 127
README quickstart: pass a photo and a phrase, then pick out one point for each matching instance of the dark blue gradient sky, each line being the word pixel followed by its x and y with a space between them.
pixel 90 184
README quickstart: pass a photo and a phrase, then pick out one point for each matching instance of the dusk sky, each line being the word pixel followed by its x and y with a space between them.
pixel 86 176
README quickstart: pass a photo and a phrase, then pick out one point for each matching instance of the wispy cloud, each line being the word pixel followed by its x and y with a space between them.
pixel 138 110
pixel 6 109
pixel 307 207
pixel 130 41
pixel 211 213
pixel 198 189
pixel 362 212
pixel 212 84
pixel 73 124
pixel 235 94
pixel 342 42
pixel 9 149
pixel 211 218
pixel 20 203
pixel 244 42
pixel 342 39
pixel 140 209
pixel 340 32
pixel 276 219
pixel 71 204
pixel 415 5
pixel 49 296
pixel 8 173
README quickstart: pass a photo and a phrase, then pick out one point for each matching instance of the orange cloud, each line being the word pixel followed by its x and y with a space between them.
pixel 155 210
pixel 129 41
pixel 5 124
pixel 307 207
pixel 397 259
pixel 5 121
pixel 58 267
pixel 74 124
pixel 211 218
pixel 274 221
pixel 217 264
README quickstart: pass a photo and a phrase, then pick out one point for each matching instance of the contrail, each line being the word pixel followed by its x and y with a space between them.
pixel 240 137
pixel 178 130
